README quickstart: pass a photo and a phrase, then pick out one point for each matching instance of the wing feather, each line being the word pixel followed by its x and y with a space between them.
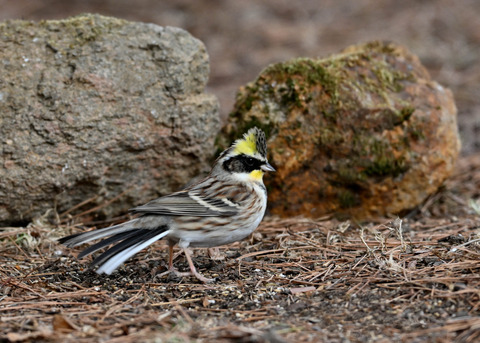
pixel 188 203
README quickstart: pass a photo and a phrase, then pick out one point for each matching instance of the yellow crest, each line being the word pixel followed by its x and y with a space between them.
pixel 247 145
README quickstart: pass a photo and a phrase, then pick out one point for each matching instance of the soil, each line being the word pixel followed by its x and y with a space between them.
pixel 414 279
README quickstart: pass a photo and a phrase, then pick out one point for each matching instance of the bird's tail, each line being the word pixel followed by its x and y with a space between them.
pixel 129 239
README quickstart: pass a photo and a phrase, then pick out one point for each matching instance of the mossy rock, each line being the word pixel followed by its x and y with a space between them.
pixel 364 133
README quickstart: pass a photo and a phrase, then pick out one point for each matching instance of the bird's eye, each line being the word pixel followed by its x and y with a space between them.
pixel 250 161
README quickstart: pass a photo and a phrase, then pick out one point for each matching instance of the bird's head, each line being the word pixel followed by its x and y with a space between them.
pixel 246 159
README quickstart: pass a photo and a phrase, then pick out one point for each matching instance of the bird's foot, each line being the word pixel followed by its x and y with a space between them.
pixel 192 272
pixel 196 274
pixel 178 273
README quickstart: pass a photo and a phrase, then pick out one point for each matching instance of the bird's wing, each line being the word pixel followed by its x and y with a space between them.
pixel 189 203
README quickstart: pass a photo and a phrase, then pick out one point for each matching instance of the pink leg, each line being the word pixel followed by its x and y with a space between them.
pixel 170 256
pixel 192 272
pixel 171 268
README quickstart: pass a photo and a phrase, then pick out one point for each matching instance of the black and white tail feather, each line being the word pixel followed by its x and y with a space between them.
pixel 128 239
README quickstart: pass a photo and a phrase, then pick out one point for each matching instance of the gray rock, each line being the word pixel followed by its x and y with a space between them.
pixel 95 108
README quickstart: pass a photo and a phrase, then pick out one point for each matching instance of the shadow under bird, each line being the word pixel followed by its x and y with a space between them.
pixel 225 207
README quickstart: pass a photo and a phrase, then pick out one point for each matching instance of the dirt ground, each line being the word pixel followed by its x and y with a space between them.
pixel 295 280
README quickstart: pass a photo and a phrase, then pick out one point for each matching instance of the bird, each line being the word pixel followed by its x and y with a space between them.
pixel 224 207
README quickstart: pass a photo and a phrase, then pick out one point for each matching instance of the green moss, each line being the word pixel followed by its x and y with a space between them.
pixel 378 47
pixel 392 117
pixel 247 98
pixel 418 134
pixel 306 69
pixel 84 28
pixel 329 137
pixel 406 112
pixel 330 114
pixel 348 176
pixel 386 166
pixel 377 76
pixel 289 94
pixel 376 157
pixel 247 103
pixel 265 109
pixel 303 73
pixel 383 162
pixel 389 79
pixel 347 199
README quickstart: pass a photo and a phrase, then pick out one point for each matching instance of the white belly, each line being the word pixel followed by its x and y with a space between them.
pixel 224 234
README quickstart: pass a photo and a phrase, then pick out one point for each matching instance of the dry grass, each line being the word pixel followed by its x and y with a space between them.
pixel 295 280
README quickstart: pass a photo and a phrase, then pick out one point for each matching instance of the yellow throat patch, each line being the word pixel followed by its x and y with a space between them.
pixel 246 146
pixel 256 175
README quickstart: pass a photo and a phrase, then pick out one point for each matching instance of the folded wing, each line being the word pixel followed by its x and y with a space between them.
pixel 189 203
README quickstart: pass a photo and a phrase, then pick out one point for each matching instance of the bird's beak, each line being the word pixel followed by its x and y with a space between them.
pixel 267 167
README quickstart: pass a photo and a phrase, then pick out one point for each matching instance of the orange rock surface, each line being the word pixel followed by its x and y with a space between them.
pixel 363 133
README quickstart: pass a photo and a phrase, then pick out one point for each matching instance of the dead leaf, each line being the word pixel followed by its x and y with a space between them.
pixel 62 324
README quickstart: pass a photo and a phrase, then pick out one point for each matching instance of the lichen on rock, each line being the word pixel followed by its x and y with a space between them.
pixel 364 133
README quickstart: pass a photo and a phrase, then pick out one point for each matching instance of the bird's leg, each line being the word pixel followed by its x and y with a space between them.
pixel 193 270
pixel 171 268
pixel 170 256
